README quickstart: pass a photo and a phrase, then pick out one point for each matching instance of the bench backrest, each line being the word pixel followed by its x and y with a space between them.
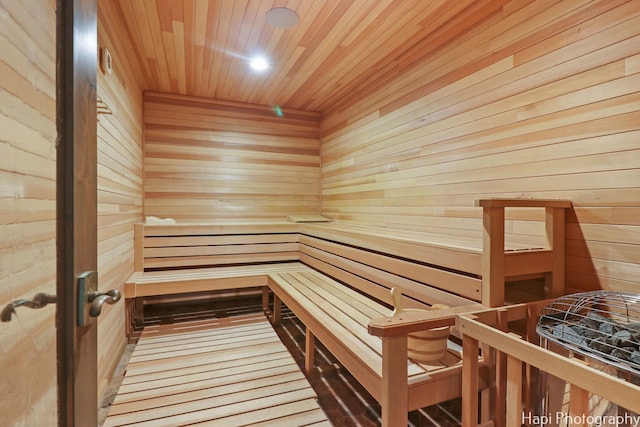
pixel 374 264
pixel 204 245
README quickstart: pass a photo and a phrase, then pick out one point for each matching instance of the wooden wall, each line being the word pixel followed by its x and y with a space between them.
pixel 206 160
pixel 119 182
pixel 27 210
pixel 28 206
pixel 539 100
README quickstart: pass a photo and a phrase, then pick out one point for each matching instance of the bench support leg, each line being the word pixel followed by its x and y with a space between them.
pixel 138 312
pixel 394 381
pixel 134 312
pixel 277 310
pixel 265 299
pixel 309 351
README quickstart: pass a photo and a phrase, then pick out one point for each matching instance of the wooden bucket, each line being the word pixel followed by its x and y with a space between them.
pixel 422 346
pixel 429 345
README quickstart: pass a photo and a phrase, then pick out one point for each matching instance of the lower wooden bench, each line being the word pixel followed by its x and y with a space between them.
pixel 169 282
pixel 342 320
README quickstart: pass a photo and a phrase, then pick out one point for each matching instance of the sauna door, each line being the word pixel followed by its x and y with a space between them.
pixel 76 220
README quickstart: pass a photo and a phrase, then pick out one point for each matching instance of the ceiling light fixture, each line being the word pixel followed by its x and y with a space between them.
pixel 282 17
pixel 259 63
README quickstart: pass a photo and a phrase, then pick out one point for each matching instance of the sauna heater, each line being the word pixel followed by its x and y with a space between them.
pixel 602 328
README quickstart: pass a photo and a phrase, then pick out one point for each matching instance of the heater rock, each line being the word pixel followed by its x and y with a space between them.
pixel 593 320
pixel 567 333
pixel 621 339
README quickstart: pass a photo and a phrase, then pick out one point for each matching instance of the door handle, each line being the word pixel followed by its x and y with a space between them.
pixel 94 298
pixel 97 300
pixel 39 300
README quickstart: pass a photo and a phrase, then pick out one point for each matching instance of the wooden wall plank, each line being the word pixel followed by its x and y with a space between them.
pixel 206 159
pixel 119 180
pixel 553 112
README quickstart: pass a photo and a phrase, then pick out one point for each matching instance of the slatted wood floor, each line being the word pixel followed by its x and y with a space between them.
pixel 232 371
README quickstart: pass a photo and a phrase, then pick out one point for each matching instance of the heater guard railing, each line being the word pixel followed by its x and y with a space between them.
pixel 515 358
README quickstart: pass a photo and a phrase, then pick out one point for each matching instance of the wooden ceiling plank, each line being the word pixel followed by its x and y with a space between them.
pixel 285 54
pixel 375 9
pixel 237 64
pixel 177 46
pixel 136 19
pixel 177 11
pixel 163 8
pixel 325 39
pixel 320 65
pixel 160 47
pixel 253 28
pixel 369 41
pixel 131 52
pixel 180 56
pixel 422 43
pixel 232 59
pixel 381 71
pixel 210 48
pixel 220 23
pixel 200 24
pixel 126 17
pixel 189 36
pixel 169 35
pixel 146 32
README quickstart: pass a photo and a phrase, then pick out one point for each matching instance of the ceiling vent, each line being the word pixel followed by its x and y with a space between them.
pixel 282 17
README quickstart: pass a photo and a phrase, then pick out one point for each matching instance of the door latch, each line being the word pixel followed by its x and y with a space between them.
pixel 90 301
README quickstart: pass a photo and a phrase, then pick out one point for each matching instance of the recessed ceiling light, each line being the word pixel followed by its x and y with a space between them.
pixel 259 63
pixel 282 17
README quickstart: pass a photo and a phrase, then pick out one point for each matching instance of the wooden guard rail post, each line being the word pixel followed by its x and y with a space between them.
pixel 478 329
pixel 502 391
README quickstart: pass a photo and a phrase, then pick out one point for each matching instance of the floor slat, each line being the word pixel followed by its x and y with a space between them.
pixel 135 377
pixel 202 359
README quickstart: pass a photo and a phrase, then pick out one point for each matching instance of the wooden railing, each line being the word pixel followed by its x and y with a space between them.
pixel 518 361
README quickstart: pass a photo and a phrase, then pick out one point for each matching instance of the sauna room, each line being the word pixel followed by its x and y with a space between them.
pixel 320 212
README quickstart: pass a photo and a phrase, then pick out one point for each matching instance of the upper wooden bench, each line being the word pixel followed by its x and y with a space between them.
pixel 474 267
pixel 186 258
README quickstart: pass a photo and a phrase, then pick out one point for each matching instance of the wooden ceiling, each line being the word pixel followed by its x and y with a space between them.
pixel 338 49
